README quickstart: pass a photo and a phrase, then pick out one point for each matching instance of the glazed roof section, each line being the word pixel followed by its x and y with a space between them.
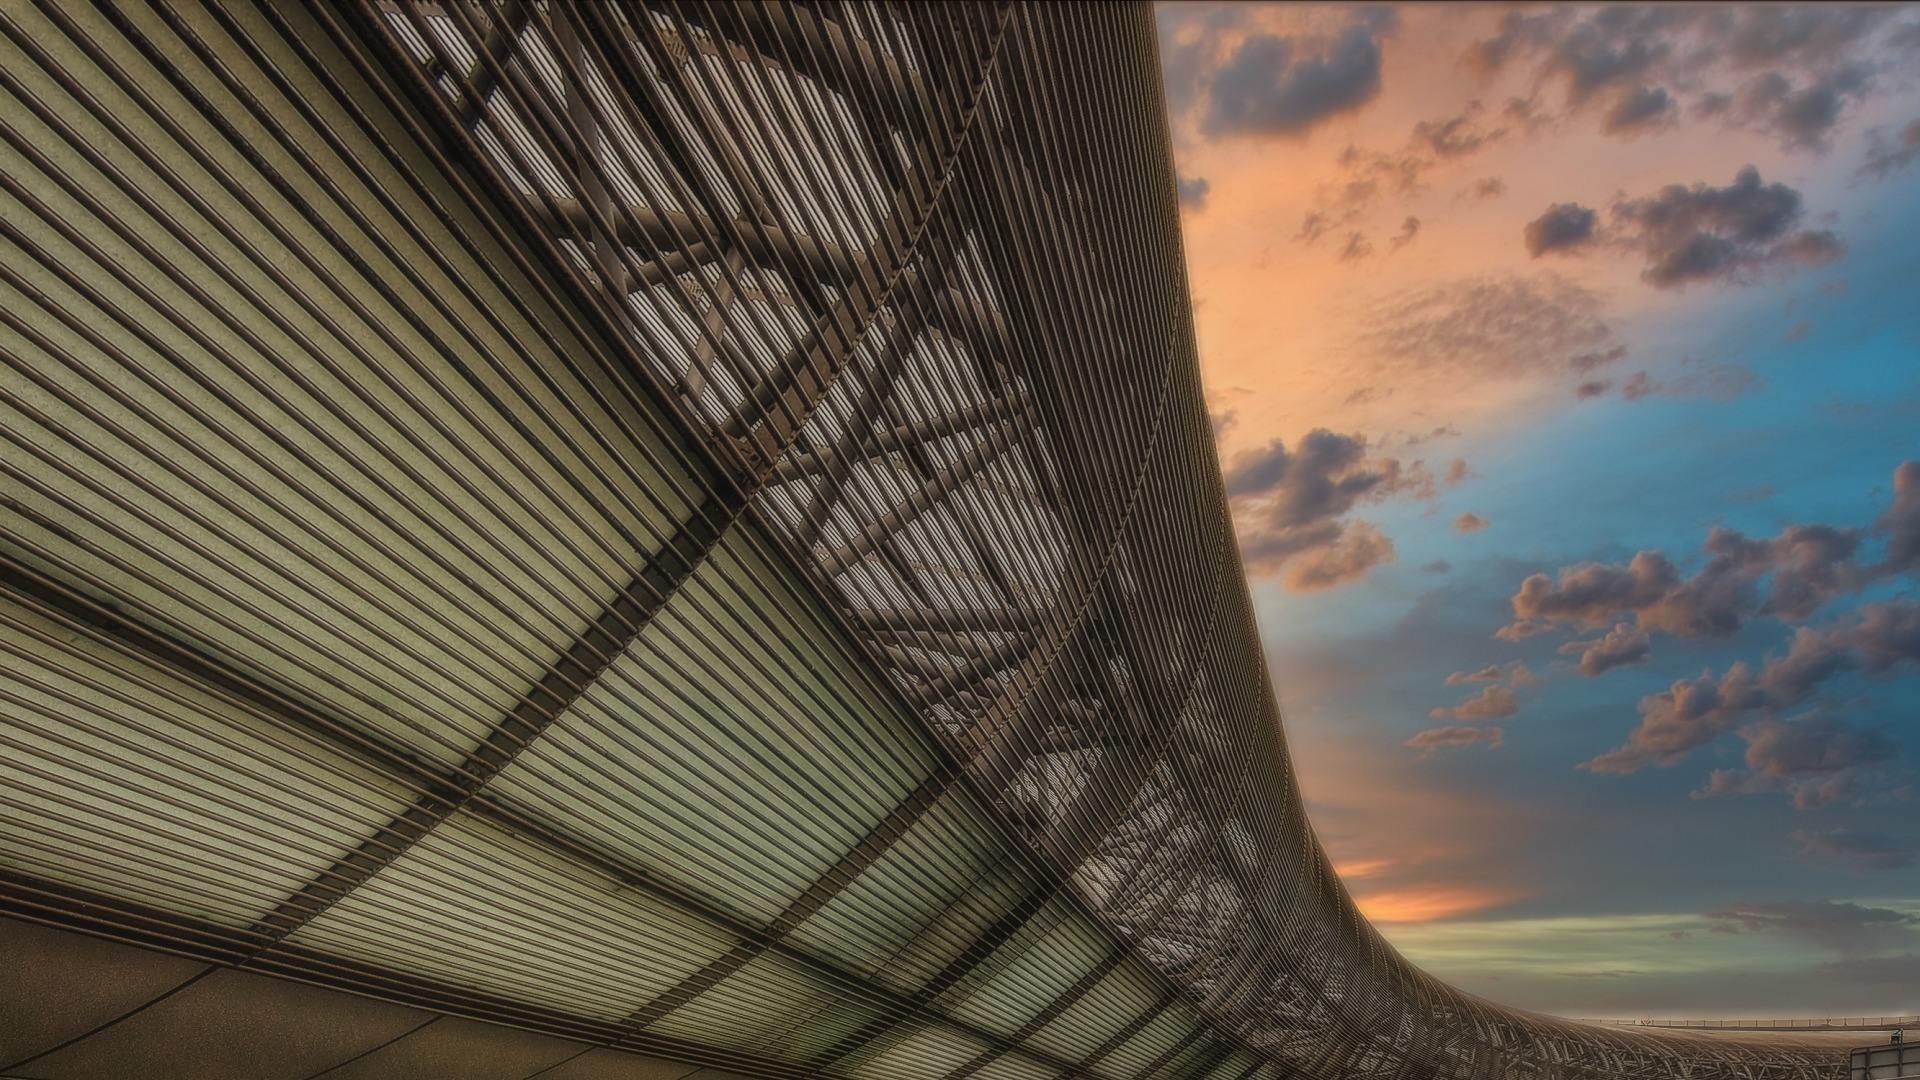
pixel 689 529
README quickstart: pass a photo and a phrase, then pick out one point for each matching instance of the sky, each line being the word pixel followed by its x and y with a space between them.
pixel 1565 372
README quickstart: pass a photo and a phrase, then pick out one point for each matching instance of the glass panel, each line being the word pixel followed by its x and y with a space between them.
pixel 474 905
pixel 710 754
pixel 1028 973
pixel 119 777
pixel 287 428
pixel 927 1052
pixel 772 1006
pixel 924 901
pixel 1110 1005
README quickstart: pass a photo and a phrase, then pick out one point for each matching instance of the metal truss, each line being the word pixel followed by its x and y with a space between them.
pixel 886 297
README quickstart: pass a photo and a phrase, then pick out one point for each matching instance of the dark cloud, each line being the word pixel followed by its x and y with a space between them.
pixel 1469 522
pixel 1191 39
pixel 1803 568
pixel 1455 136
pixel 1358 247
pixel 1321 476
pixel 1490 673
pixel 1290 505
pixel 1193 191
pixel 1513 672
pixel 1694 712
pixel 1790 72
pixel 1457 472
pixel 1409 229
pixel 1889 155
pixel 1519 33
pixel 1528 113
pixel 1493 702
pixel 1494 326
pixel 1227 74
pixel 1313 226
pixel 1686 716
pixel 1762 35
pixel 1621 646
pixel 1641 109
pixel 1359 548
pixel 1564 227
pixel 1800 114
pixel 1864 785
pixel 1710 604
pixel 1887 635
pixel 1811 565
pixel 1437 566
pixel 1901 522
pixel 1813 657
pixel 1816 759
pixel 1434 739
pixel 1283 86
pixel 1842 926
pixel 1593 56
pixel 1592 389
pixel 1857 850
pixel 1487 187
pixel 1732 233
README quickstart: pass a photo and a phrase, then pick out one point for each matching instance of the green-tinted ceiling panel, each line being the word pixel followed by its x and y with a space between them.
pixel 476 906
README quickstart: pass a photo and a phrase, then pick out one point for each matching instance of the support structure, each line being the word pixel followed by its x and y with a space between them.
pixel 589 540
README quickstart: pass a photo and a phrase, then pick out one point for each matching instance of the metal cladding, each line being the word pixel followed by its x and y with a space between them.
pixel 682 532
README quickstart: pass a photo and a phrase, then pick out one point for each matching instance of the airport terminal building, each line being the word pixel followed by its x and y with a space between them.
pixel 650 540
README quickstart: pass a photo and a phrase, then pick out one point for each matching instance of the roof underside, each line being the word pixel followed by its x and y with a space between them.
pixel 563 540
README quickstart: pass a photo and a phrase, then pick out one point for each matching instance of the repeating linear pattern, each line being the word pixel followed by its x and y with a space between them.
pixel 689 528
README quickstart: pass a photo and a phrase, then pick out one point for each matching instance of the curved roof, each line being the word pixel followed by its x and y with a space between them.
pixel 565 539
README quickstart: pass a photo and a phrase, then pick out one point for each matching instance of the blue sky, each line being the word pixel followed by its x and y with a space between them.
pixel 1507 316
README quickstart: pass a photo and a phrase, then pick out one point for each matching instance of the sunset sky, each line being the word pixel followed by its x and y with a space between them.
pixel 1565 367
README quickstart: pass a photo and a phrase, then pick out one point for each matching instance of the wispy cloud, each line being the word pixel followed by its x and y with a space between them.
pixel 1454 736
pixel 1842 926
pixel 1865 851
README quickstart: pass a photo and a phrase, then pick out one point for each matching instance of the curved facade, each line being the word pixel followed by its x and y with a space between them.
pixel 573 539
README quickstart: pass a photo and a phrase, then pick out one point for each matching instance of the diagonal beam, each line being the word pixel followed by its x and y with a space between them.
pixel 912 434
pixel 928 495
pixel 617 626
pixel 263 946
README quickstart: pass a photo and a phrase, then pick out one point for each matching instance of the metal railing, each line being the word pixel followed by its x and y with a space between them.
pixel 1831 1023
pixel 1888 1061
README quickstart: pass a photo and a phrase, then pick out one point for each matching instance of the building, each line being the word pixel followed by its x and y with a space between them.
pixel 593 541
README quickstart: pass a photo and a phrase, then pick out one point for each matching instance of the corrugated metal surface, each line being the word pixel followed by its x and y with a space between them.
pixel 684 528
